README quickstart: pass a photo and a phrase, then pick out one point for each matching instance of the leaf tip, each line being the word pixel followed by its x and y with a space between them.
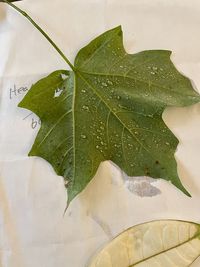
pixel 31 153
pixel 65 209
pixel 186 192
pixel 69 199
pixel 179 185
pixel 118 29
pixel 169 52
pixel 20 104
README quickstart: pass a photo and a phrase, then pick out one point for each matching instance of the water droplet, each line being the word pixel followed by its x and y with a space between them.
pixel 97 146
pixel 118 97
pixel 110 83
pixel 116 145
pixel 83 91
pixel 83 136
pixel 102 143
pixel 121 66
pixel 152 72
pixel 104 84
pixel 85 107
pixel 167 144
pixel 154 68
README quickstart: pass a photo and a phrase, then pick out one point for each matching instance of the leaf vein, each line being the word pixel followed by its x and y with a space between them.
pixel 53 127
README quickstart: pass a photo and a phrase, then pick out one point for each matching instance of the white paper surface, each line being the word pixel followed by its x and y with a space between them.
pixel 33 230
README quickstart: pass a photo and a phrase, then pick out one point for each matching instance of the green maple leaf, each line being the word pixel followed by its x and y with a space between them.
pixel 109 108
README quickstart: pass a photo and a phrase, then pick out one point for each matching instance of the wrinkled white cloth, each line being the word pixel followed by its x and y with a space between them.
pixel 33 230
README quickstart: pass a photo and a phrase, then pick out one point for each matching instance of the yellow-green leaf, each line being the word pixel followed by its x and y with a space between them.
pixel 154 244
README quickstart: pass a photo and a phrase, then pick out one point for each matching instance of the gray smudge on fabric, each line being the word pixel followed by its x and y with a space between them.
pixel 141 186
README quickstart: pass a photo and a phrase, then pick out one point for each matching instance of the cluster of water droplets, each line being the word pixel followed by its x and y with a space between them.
pixel 85 108
pixel 113 99
pixel 154 70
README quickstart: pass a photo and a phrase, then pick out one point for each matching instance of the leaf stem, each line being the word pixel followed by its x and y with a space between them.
pixel 41 31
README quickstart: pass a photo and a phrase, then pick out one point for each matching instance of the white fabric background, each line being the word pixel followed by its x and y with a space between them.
pixel 33 230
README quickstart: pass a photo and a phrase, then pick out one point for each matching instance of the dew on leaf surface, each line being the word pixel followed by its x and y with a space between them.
pixel 104 84
pixel 83 136
pixel 85 108
pixel 110 83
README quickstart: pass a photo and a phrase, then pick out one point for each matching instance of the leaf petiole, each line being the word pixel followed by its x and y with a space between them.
pixel 41 31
